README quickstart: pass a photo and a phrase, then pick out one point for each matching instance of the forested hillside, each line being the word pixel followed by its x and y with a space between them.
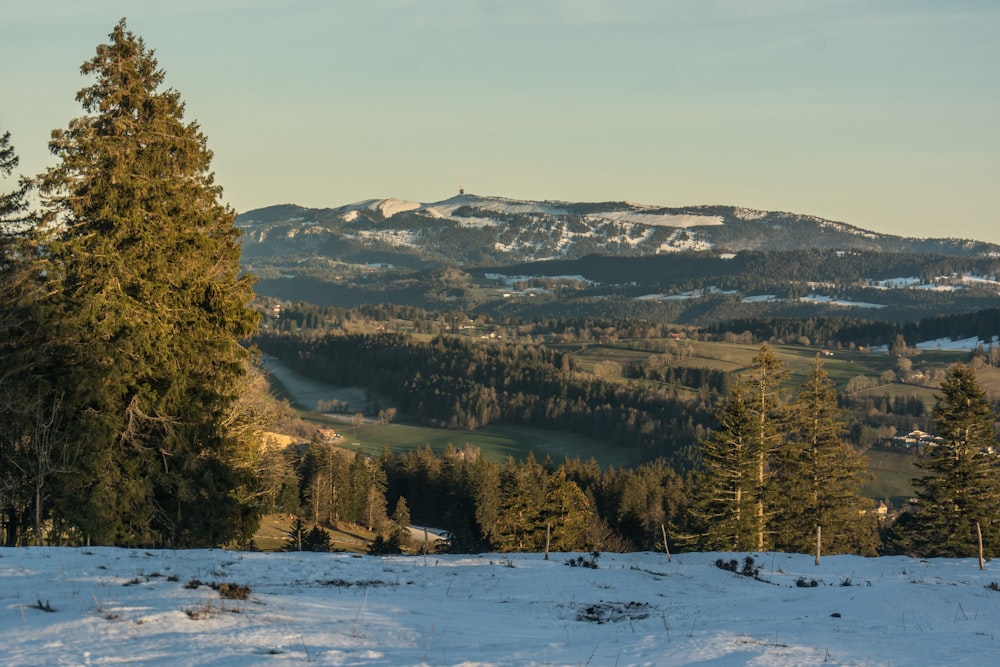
pixel 659 390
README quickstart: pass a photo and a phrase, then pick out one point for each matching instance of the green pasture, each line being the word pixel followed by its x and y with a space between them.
pixel 497 442
pixel 737 358
pixel 893 474
pixel 894 389
pixel 989 378
pixel 840 365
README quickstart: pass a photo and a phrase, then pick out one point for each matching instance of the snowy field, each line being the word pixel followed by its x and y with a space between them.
pixel 104 606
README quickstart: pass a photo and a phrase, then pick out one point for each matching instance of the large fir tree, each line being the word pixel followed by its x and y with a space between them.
pixel 726 485
pixel 764 400
pixel 144 309
pixel 962 484
pixel 29 456
pixel 13 204
pixel 819 477
pixel 534 501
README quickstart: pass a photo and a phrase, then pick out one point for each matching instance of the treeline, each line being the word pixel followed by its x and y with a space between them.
pixel 485 506
pixel 833 332
pixel 845 332
pixel 777 474
pixel 705 379
pixel 457 383
pixel 753 271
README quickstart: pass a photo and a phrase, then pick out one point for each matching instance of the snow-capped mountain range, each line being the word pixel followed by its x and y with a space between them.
pixel 470 229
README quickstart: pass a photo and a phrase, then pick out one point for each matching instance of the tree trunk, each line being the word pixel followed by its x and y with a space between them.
pixel 979 534
pixel 38 513
pixel 819 538
pixel 666 548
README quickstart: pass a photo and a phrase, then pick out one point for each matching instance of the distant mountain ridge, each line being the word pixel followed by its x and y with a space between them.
pixel 475 230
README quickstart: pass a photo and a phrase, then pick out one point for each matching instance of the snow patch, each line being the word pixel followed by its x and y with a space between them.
pixel 679 220
pixel 761 298
pixel 958 345
pixel 391 207
pixel 105 606
pixel 842 303
pixel 682 240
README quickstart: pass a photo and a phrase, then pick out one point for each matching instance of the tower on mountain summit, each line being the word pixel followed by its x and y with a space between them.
pixel 461 188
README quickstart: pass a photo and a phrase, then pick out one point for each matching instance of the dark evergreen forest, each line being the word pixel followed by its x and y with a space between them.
pixel 455 383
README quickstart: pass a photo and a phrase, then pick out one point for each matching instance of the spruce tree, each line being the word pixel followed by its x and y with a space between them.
pixel 535 500
pixel 143 314
pixel 764 401
pixel 818 477
pixel 13 204
pixel 962 484
pixel 726 485
pixel 401 522
pixel 13 425
pixel 401 515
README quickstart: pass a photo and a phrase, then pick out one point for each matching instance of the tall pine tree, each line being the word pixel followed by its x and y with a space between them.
pixel 819 477
pixel 726 485
pixel 764 400
pixel 13 204
pixel 143 312
pixel 734 490
pixel 962 484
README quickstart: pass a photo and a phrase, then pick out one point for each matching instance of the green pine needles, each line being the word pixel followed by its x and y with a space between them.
pixel 776 469
pixel 961 487
pixel 135 318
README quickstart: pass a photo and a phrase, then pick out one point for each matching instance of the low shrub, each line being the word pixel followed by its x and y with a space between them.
pixel 588 561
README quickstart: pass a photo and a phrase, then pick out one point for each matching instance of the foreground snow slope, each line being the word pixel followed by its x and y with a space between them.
pixel 114 606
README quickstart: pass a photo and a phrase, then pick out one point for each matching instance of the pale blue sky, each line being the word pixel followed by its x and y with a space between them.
pixel 878 113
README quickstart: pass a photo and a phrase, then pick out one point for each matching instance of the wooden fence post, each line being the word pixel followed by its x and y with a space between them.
pixel 819 537
pixel 979 534
pixel 665 547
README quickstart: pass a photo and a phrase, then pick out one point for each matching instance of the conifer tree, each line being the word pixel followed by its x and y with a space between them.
pixel 818 477
pixel 961 486
pixel 765 403
pixel 13 277
pixel 534 499
pixel 401 521
pixel 143 312
pixel 13 204
pixel 733 491
pixel 13 413
pixel 726 485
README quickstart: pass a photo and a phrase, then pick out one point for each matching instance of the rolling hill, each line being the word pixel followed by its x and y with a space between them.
pixel 699 264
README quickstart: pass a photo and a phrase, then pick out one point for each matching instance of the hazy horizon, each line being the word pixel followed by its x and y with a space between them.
pixel 880 115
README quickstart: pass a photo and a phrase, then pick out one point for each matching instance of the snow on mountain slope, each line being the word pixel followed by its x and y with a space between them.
pixel 475 229
pixel 448 207
pixel 681 221
pixel 386 207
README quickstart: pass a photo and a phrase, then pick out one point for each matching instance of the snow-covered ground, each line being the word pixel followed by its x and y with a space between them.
pixel 952 345
pixel 103 606
pixel 844 303
pixel 961 344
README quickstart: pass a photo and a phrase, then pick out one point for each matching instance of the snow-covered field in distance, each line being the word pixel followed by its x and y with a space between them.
pixel 104 606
